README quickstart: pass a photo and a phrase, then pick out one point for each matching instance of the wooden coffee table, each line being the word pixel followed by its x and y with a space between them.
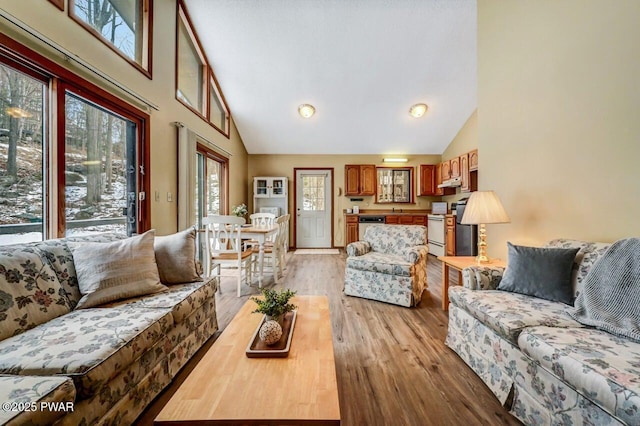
pixel 226 387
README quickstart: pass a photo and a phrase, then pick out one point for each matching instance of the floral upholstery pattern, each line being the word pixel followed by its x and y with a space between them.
pixel 509 313
pixel 183 299
pixel 34 389
pixel 89 345
pixel 557 371
pixel 30 293
pixel 595 363
pixel 389 266
pixel 479 277
pixel 358 248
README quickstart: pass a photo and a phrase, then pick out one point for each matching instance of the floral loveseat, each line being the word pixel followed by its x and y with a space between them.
pixel 539 362
pixel 99 365
pixel 390 265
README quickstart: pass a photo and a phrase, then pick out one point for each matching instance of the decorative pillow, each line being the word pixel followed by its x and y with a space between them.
pixel 116 270
pixel 176 257
pixel 541 272
pixel 30 293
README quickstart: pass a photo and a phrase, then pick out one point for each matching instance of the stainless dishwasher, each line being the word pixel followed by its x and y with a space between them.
pixel 364 221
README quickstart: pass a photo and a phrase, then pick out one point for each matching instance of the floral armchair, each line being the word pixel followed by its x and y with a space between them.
pixel 389 265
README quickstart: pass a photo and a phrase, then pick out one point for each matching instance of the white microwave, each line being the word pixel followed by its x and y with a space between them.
pixel 438 207
pixel 274 210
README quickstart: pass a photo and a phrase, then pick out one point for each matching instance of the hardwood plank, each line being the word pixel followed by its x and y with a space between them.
pixel 392 365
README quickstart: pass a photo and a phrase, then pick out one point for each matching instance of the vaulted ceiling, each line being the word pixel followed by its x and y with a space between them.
pixel 361 63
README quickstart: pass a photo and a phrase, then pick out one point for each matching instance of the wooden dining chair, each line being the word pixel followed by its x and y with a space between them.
pixel 274 252
pixel 260 220
pixel 224 249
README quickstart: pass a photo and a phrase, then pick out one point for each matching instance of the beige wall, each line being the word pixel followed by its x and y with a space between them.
pixel 558 128
pixel 466 140
pixel 57 26
pixel 283 165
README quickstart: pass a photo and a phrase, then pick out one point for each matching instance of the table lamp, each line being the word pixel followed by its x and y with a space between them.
pixel 483 207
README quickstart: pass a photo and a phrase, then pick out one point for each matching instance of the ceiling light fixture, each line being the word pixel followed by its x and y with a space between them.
pixel 418 110
pixel 394 160
pixel 306 110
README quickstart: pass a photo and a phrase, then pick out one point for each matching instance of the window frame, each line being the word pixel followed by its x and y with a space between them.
pixel 208 153
pixel 146 34
pixel 58 3
pixel 210 85
pixel 59 79
pixel 410 185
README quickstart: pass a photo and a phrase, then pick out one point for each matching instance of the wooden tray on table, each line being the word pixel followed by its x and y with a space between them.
pixel 258 349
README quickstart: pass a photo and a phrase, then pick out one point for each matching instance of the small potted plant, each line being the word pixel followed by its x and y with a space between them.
pixel 239 210
pixel 274 304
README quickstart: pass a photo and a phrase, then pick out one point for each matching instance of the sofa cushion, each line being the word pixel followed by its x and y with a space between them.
pixel 395 239
pixel 539 272
pixel 61 260
pixel 381 262
pixel 176 257
pixel 599 365
pixel 116 270
pixel 509 313
pixel 34 392
pixel 89 345
pixel 30 293
pixel 182 299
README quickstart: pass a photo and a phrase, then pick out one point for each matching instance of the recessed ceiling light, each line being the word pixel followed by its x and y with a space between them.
pixel 306 110
pixel 418 110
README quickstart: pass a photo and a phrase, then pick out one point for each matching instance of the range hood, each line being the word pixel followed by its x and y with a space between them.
pixel 451 183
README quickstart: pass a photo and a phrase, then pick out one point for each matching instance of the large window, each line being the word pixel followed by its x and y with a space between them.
pixel 124 25
pixel 395 185
pixel 23 110
pixel 88 174
pixel 196 86
pixel 211 187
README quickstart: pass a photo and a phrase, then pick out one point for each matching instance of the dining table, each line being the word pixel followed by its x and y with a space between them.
pixel 261 234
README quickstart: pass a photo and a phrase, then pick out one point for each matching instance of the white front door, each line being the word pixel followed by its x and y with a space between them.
pixel 313 208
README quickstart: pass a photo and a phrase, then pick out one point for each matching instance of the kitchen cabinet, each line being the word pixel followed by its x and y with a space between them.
pixel 360 179
pixel 450 235
pixel 352 229
pixel 427 179
pixel 464 173
pixel 439 179
pixel 445 172
pixel 270 194
pixel 473 160
pixel 454 167
pixel 406 219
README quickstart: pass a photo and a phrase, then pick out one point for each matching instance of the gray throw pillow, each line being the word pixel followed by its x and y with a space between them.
pixel 176 257
pixel 540 272
pixel 116 270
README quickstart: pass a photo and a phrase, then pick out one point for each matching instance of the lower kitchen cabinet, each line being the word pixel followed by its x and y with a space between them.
pixel 450 236
pixel 352 229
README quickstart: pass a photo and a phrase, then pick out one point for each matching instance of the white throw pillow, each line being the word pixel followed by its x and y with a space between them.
pixel 116 270
pixel 176 257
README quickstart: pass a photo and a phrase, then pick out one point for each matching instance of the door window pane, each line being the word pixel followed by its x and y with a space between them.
pixel 100 170
pixel 313 193
pixel 22 112
pixel 190 70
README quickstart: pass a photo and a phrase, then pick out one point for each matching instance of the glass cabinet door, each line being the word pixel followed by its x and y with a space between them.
pixel 261 188
pixel 278 188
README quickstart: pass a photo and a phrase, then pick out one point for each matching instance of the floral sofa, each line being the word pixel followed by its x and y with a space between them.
pixel 539 362
pixel 390 265
pixel 99 365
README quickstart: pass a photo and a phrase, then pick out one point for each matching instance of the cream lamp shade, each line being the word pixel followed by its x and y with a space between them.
pixel 484 207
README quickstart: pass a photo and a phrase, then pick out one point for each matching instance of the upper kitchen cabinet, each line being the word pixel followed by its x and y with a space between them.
pixel 360 179
pixel 454 167
pixel 464 171
pixel 270 187
pixel 473 160
pixel 445 170
pixel 427 182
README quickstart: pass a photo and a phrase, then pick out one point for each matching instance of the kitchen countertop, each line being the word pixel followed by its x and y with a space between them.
pixel 405 212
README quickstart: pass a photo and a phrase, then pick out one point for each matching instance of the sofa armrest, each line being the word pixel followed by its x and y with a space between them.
pixel 415 254
pixel 358 248
pixel 482 277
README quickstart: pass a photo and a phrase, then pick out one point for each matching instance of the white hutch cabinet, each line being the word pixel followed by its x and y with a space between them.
pixel 269 194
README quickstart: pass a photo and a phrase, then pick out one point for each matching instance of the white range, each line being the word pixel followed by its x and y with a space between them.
pixel 436 234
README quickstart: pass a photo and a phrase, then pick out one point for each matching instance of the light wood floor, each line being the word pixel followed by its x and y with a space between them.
pixel 392 364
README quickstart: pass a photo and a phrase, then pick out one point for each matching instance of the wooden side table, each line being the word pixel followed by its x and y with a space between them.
pixel 459 263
